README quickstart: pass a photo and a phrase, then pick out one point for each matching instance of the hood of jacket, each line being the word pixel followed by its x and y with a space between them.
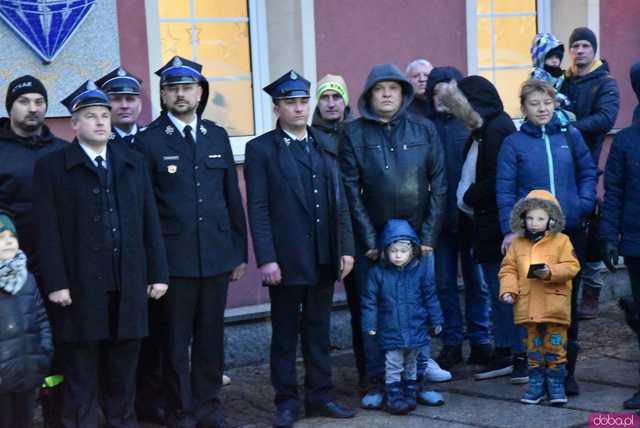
pixel 634 75
pixel 330 127
pixel 558 123
pixel 482 95
pixel 6 133
pixel 380 73
pixel 538 199
pixel 395 230
pixel 440 75
pixel 542 44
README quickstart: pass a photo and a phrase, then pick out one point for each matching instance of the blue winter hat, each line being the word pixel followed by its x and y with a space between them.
pixel 398 230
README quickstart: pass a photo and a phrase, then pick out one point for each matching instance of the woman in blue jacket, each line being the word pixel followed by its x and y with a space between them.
pixel 547 153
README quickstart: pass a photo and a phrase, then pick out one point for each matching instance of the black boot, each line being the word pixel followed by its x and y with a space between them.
pixel 450 355
pixel 570 385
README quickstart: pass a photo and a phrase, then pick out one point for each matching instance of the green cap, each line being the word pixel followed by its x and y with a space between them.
pixel 6 223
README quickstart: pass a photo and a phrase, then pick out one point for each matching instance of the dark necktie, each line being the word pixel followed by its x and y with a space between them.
pixel 128 139
pixel 102 170
pixel 188 137
pixel 305 143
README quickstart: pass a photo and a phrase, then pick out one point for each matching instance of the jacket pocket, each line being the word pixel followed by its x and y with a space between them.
pixel 557 302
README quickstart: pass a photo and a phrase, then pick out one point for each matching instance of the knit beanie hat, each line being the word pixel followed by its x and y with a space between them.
pixel 332 82
pixel 6 224
pixel 24 85
pixel 583 33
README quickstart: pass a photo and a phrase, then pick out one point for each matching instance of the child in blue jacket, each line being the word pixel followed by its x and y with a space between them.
pixel 398 306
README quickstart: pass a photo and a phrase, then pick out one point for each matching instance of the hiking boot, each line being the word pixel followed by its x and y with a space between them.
pixel 395 402
pixel 535 391
pixel 480 354
pixel 450 355
pixel 589 307
pixel 555 385
pixel 520 373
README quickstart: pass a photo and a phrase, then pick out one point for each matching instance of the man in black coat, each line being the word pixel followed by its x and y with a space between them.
pixel 203 222
pixel 24 138
pixel 123 89
pixel 595 100
pixel 98 231
pixel 303 244
pixel 393 167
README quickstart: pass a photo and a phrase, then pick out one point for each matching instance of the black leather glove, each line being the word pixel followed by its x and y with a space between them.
pixel 609 252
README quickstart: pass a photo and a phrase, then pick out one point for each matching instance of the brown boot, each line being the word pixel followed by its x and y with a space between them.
pixel 589 307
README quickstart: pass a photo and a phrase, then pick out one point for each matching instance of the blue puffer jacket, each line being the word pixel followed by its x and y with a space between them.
pixel 621 210
pixel 540 158
pixel 25 339
pixel 400 303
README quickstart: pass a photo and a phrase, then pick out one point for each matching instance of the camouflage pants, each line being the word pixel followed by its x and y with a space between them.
pixel 546 344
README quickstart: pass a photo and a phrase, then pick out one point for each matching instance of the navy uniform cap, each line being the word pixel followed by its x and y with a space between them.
pixel 120 81
pixel 87 95
pixel 289 85
pixel 180 70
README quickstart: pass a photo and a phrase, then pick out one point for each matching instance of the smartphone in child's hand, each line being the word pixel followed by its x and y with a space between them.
pixel 534 267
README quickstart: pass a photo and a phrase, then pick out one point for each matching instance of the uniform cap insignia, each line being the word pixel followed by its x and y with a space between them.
pixel 293 75
pixel 91 86
pixel 177 62
pixel 121 72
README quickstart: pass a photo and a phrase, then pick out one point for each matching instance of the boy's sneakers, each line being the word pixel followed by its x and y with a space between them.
pixel 433 372
pixel 520 373
pixel 450 355
pixel 497 367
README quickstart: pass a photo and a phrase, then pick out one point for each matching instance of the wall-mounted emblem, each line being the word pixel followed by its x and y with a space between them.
pixel 45 25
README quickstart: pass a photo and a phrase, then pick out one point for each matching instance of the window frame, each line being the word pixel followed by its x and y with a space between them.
pixel 543 21
pixel 259 48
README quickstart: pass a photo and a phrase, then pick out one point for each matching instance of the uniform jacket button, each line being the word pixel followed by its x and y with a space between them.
pixel 96 190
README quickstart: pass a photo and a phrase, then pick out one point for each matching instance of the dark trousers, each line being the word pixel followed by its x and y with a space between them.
pixel 150 387
pixel 16 409
pixel 579 240
pixel 303 311
pixel 117 359
pixel 194 314
pixel 633 267
pixel 353 300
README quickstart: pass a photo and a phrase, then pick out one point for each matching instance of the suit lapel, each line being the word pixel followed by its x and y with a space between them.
pixel 288 167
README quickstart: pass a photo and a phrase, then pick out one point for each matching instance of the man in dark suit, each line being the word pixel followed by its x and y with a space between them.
pixel 123 89
pixel 303 244
pixel 203 222
pixel 99 234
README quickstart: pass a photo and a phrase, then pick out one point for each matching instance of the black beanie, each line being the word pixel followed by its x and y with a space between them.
pixel 583 33
pixel 24 85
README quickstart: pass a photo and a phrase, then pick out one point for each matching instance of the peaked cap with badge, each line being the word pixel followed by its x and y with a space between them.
pixel 180 70
pixel 87 95
pixel 120 81
pixel 289 85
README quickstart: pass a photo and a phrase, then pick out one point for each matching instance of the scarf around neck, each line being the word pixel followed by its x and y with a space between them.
pixel 13 273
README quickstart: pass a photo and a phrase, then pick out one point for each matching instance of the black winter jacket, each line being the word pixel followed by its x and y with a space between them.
pixel 595 100
pixel 394 169
pixel 18 157
pixel 621 208
pixel 481 196
pixel 25 339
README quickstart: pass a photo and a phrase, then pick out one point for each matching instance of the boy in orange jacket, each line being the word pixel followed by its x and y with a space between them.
pixel 535 277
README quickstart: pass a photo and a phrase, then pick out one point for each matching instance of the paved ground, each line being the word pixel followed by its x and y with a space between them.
pixel 607 373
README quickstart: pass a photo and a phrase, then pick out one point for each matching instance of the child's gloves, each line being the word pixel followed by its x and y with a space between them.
pixel 435 330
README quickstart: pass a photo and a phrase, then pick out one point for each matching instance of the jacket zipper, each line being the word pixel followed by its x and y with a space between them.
pixel 552 178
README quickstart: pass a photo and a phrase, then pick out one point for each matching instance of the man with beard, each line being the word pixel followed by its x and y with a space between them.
pixel 123 89
pixel 203 222
pixel 24 138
